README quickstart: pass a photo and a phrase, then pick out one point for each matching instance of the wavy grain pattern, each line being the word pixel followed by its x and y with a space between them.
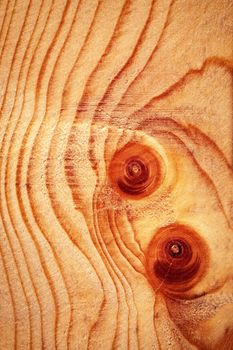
pixel 116 183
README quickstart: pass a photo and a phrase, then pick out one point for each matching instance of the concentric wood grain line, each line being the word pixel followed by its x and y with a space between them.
pixel 114 127
pixel 24 273
pixel 140 56
pixel 40 313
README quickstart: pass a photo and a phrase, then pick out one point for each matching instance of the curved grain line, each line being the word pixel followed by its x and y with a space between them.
pixel 13 55
pixel 8 27
pixel 8 201
pixel 38 89
pixel 81 52
pixel 98 11
pixel 4 11
pixel 50 87
pixel 26 135
pixel 93 160
pixel 112 223
pixel 85 97
pixel 3 102
pixel 16 265
pixel 130 62
pixel 124 12
pixel 19 182
pixel 7 207
pixel 100 245
pixel 43 121
pixel 49 152
pixel 3 20
pixel 214 60
pixel 155 328
pixel 121 71
pixel 96 200
pixel 181 82
pixel 20 197
pixel 100 103
pixel 135 237
pixel 125 245
pixel 121 138
pixel 151 56
pixel 10 291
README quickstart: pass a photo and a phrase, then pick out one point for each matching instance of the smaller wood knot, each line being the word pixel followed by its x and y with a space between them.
pixel 136 171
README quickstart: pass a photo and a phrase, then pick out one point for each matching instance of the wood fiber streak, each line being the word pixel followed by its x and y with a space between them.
pixel 116 182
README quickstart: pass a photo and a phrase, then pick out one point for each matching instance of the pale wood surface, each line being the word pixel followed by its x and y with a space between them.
pixel 84 87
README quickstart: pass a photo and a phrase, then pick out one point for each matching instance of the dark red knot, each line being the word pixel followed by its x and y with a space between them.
pixel 136 171
pixel 177 257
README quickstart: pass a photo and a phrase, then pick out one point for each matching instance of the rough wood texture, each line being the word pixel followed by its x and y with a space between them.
pixel 116 196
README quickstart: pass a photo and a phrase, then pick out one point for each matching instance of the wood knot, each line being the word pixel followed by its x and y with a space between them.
pixel 136 171
pixel 177 259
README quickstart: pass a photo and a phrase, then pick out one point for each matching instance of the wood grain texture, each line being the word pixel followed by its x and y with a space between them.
pixel 116 184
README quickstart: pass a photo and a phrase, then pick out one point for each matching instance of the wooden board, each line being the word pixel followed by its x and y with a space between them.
pixel 116 186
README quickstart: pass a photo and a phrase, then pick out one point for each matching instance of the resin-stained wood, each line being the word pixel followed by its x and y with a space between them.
pixel 116 183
